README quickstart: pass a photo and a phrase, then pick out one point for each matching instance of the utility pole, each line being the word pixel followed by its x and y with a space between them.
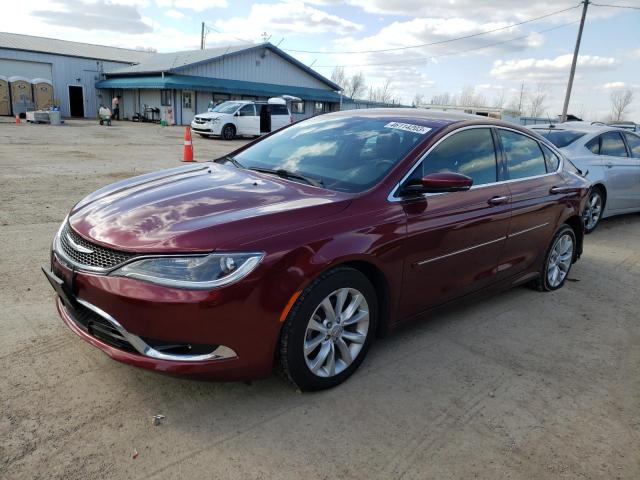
pixel 202 37
pixel 521 95
pixel 567 97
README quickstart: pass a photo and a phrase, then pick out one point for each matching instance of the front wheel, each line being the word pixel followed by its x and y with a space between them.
pixel 228 132
pixel 593 211
pixel 329 330
pixel 558 260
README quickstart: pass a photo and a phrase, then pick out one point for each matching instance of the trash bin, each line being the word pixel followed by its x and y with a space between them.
pixel 54 117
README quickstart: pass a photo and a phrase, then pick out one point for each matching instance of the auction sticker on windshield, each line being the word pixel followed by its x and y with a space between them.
pixel 409 127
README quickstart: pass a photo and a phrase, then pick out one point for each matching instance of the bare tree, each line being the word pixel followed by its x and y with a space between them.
pixel 620 100
pixel 355 86
pixel 441 99
pixel 537 99
pixel 339 77
pixel 418 99
pixel 384 93
pixel 500 99
pixel 467 97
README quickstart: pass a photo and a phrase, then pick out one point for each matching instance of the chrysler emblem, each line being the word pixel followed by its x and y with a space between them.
pixel 77 247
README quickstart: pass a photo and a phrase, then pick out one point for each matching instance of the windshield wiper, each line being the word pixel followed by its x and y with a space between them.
pixel 281 172
pixel 230 159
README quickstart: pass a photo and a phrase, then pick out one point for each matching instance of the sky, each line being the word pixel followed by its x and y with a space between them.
pixel 495 65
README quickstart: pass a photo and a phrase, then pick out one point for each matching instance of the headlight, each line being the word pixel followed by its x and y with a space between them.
pixel 215 120
pixel 193 271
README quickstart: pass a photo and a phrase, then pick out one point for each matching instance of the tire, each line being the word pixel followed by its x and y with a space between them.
pixel 228 132
pixel 325 339
pixel 593 211
pixel 560 257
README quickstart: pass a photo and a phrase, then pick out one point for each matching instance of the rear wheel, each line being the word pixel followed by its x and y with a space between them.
pixel 228 132
pixel 593 210
pixel 329 330
pixel 558 260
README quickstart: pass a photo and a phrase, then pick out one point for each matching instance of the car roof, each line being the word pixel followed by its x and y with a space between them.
pixel 584 127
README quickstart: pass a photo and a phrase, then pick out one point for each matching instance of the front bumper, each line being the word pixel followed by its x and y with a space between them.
pixel 131 313
pixel 207 128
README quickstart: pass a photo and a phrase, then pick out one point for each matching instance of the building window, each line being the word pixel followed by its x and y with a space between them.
pixel 297 107
pixel 165 98
pixel 186 100
pixel 318 107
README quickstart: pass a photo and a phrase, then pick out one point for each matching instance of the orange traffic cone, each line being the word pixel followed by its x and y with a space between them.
pixel 188 146
pixel 18 119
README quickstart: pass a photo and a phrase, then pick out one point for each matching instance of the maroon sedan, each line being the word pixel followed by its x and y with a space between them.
pixel 302 246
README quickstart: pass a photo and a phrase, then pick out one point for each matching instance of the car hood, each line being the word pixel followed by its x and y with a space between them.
pixel 212 115
pixel 198 208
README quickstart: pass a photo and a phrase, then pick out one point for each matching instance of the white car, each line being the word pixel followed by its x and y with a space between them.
pixel 610 158
pixel 242 118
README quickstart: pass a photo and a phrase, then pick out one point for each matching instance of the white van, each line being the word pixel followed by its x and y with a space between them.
pixel 242 117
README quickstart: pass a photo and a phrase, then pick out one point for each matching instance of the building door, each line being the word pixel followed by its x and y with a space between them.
pixel 76 101
pixel 5 106
pixel 188 105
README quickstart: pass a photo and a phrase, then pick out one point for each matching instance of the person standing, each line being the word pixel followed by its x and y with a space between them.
pixel 115 107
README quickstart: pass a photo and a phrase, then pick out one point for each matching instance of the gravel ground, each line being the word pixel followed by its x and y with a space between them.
pixel 522 385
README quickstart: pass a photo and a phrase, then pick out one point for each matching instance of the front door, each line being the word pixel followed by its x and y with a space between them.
pixel 188 105
pixel 454 239
pixel 247 121
pixel 76 101
pixel 535 208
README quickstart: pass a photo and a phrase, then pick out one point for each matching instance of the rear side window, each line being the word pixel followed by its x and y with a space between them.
pixel 524 157
pixel 611 144
pixel 470 152
pixel 551 159
pixel 594 146
pixel 278 110
pixel 634 144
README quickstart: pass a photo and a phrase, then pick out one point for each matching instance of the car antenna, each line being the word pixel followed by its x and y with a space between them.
pixel 551 125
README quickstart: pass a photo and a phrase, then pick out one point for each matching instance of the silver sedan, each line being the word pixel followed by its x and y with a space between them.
pixel 610 158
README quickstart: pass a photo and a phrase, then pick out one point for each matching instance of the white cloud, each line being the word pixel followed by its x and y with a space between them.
pixel 196 5
pixel 284 18
pixel 172 13
pixel 613 85
pixel 547 69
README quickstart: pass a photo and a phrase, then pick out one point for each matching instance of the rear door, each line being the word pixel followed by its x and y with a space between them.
pixel 247 121
pixel 620 172
pixel 454 239
pixel 534 208
pixel 279 116
pixel 633 143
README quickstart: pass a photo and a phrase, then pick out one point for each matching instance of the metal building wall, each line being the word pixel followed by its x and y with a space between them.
pixel 70 71
pixel 256 66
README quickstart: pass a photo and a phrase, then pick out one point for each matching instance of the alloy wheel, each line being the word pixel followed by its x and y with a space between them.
pixel 560 259
pixel 336 332
pixel 593 211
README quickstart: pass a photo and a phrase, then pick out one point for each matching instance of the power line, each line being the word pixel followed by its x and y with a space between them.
pixel 458 52
pixel 614 6
pixel 440 41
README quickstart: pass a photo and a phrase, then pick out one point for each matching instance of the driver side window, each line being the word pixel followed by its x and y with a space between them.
pixel 247 111
pixel 470 152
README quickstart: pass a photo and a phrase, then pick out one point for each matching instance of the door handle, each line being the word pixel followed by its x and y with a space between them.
pixel 609 164
pixel 558 190
pixel 498 200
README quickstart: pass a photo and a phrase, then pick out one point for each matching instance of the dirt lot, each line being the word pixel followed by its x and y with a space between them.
pixel 523 385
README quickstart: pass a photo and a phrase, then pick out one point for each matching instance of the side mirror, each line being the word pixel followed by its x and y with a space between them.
pixel 438 183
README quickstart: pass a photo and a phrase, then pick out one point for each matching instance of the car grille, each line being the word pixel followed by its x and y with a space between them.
pixel 100 257
pixel 98 327
pixel 200 121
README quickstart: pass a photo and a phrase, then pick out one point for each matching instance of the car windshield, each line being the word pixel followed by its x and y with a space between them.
pixel 560 138
pixel 345 154
pixel 227 107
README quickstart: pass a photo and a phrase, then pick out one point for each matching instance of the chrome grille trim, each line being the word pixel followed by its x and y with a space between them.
pixel 84 255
